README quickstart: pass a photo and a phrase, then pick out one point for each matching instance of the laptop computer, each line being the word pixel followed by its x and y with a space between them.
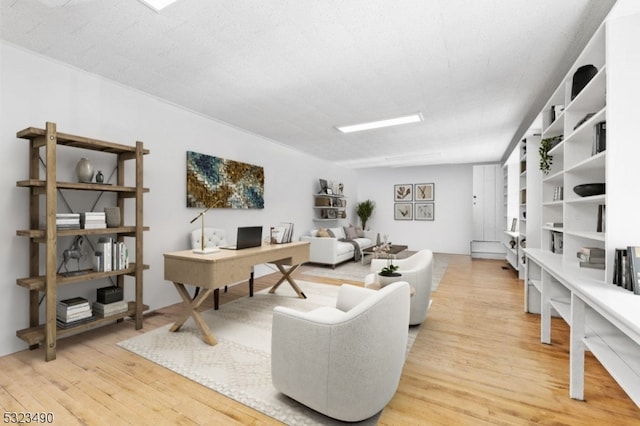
pixel 248 236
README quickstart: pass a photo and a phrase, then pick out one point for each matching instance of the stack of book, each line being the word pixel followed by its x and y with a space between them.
pixel 110 255
pixel 74 311
pixel 591 257
pixel 93 220
pixel 109 301
pixel 68 220
pixel 102 310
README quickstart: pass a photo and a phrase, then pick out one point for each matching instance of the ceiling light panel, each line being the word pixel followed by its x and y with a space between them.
pixel 406 119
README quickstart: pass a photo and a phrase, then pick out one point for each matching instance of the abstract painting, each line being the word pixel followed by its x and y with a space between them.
pixel 220 183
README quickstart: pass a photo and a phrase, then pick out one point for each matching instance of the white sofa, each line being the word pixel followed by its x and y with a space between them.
pixel 331 251
pixel 344 362
pixel 417 270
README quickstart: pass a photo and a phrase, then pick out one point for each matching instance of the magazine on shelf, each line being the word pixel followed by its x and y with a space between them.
pixel 282 233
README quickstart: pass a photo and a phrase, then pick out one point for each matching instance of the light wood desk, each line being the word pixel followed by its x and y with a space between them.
pixel 215 270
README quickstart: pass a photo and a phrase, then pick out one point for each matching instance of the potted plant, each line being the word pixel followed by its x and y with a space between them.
pixel 388 274
pixel 546 145
pixel 364 210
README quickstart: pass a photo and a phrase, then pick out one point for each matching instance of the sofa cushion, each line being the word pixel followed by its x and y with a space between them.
pixel 350 232
pixel 363 242
pixel 337 233
pixel 343 248
pixel 323 233
pixel 359 232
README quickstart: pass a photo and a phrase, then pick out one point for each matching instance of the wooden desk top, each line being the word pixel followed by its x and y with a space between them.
pixel 224 255
pixel 225 267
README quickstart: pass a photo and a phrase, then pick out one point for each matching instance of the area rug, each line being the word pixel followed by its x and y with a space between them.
pixel 239 366
pixel 357 271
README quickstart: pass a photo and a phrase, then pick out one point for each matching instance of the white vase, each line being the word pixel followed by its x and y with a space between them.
pixel 84 170
pixel 385 280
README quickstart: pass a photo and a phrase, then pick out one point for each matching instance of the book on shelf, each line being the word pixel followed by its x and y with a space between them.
pixel 621 275
pixel 591 254
pixel 73 301
pixel 110 255
pixel 633 258
pixel 93 220
pixel 599 137
pixel 104 310
pixel 63 324
pixel 68 220
pixel 557 242
pixel 73 309
pixel 592 265
pixel 282 233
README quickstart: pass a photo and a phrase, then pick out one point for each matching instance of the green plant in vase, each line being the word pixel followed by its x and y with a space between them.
pixel 364 210
pixel 389 270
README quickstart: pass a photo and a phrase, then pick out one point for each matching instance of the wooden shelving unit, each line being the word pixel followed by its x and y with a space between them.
pixel 329 207
pixel 43 276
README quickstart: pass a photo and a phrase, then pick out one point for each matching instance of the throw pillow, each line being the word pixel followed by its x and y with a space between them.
pixel 359 232
pixel 323 233
pixel 313 232
pixel 350 233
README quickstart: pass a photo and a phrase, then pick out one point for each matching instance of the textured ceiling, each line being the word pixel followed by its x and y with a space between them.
pixel 291 70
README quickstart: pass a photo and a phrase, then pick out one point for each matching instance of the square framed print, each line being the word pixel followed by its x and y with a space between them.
pixel 403 211
pixel 403 192
pixel 425 211
pixel 424 192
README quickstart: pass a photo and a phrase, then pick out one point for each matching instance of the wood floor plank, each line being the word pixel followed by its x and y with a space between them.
pixel 477 360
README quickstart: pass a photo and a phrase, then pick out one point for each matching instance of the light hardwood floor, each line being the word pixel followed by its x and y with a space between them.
pixel 477 360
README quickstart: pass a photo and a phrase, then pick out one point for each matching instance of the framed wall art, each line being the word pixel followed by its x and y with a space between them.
pixel 424 192
pixel 403 192
pixel 403 211
pixel 425 211
pixel 216 182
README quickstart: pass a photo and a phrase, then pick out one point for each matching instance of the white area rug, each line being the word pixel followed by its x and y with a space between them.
pixel 239 366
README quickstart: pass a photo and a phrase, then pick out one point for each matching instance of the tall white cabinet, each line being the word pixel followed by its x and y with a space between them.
pixel 603 317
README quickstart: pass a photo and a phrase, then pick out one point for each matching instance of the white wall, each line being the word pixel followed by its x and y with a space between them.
pixel 35 89
pixel 450 232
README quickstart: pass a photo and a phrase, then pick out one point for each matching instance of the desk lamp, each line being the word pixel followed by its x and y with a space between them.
pixel 203 249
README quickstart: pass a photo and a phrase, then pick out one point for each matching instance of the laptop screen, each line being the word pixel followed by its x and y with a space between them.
pixel 249 236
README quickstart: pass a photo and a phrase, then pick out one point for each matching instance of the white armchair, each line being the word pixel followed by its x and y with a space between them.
pixel 417 270
pixel 214 237
pixel 344 362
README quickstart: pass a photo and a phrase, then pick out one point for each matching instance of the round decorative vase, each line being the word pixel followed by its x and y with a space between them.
pixel 385 280
pixel 84 170
pixel 99 177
